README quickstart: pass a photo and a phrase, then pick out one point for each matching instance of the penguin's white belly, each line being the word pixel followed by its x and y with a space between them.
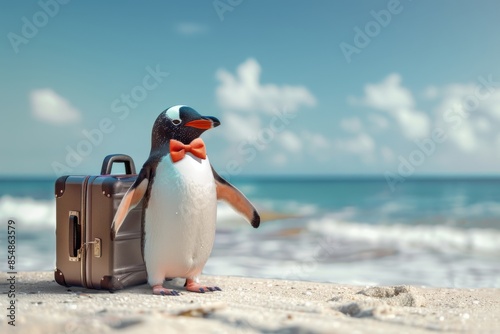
pixel 180 219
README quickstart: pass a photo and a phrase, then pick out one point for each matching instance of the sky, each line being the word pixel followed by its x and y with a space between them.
pixel 394 89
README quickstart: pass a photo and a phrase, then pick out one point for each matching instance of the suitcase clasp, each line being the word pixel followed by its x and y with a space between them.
pixel 97 247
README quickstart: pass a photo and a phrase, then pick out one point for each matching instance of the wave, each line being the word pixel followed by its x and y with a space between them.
pixel 478 209
pixel 341 225
pixel 435 237
pixel 334 247
pixel 27 211
pixel 35 213
pixel 42 213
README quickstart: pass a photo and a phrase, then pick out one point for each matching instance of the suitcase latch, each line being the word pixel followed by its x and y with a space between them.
pixel 97 247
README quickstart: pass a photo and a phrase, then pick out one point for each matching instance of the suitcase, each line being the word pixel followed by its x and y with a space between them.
pixel 85 254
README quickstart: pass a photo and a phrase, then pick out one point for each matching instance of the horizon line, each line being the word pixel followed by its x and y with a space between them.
pixel 338 176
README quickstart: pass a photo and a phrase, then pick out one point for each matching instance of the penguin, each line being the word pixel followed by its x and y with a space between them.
pixel 180 188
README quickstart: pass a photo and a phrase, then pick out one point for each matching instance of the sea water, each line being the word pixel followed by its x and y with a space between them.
pixel 432 232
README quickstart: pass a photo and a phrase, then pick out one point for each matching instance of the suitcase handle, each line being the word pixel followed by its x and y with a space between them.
pixel 75 236
pixel 109 160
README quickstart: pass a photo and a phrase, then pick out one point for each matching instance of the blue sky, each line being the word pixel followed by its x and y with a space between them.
pixel 394 88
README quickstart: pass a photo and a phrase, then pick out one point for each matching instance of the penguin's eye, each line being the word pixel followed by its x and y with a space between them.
pixel 176 121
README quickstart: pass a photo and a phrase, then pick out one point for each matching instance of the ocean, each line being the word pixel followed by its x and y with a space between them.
pixel 438 232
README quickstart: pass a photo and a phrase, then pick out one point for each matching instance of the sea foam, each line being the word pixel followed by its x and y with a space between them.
pixel 26 211
pixel 435 237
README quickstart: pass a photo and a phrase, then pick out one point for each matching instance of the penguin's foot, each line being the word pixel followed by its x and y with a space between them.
pixel 161 291
pixel 192 286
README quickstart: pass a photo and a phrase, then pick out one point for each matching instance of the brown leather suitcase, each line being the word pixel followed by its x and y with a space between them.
pixel 85 254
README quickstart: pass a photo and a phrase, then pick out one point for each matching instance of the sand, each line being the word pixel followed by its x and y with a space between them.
pixel 248 305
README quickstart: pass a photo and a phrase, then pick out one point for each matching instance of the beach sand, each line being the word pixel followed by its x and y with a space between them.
pixel 248 305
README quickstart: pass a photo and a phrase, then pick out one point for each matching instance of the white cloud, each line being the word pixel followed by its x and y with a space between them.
pixel 414 124
pixel 452 95
pixel 465 137
pixel 362 145
pixel 244 92
pixel 352 124
pixel 279 159
pixel 290 141
pixel 262 114
pixel 491 104
pixel 469 117
pixel 378 122
pixel 318 141
pixel 387 154
pixel 431 92
pixel 242 127
pixel 298 146
pixel 483 125
pixel 388 95
pixel 497 144
pixel 190 28
pixel 313 145
pixel 462 121
pixel 391 97
pixel 48 106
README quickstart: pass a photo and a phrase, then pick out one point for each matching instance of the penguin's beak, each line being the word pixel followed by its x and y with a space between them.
pixel 204 123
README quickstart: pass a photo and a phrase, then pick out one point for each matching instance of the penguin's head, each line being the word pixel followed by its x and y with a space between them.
pixel 181 123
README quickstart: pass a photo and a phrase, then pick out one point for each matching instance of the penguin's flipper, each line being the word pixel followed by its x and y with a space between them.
pixel 132 197
pixel 228 193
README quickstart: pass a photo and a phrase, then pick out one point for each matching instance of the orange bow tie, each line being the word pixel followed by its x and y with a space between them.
pixel 178 150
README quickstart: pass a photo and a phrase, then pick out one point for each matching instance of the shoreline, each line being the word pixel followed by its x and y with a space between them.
pixel 247 305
